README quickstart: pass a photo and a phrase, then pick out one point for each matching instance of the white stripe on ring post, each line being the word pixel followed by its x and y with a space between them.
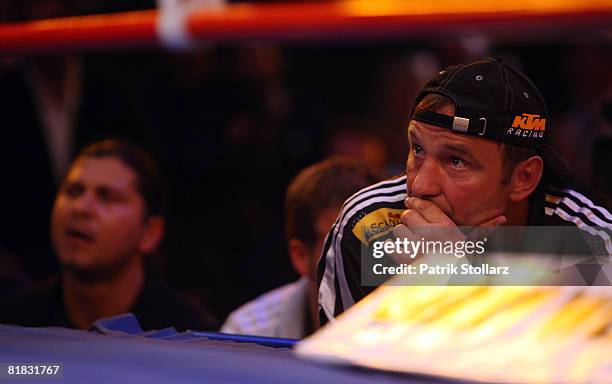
pixel 171 23
pixel 460 124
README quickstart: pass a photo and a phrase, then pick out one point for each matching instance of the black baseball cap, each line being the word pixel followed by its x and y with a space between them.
pixel 494 101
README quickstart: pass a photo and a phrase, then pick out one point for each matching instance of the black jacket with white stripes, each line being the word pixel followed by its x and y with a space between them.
pixel 373 212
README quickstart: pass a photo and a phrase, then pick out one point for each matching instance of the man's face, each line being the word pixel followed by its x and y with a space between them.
pixel 97 221
pixel 461 174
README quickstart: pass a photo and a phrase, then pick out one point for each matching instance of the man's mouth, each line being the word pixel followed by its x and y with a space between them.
pixel 78 235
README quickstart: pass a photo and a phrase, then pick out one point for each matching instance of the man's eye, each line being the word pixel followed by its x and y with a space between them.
pixel 457 162
pixel 73 190
pixel 417 149
pixel 104 195
pixel 107 195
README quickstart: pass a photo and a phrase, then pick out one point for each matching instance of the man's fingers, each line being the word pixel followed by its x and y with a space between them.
pixel 402 232
pixel 428 210
pixel 494 222
pixel 413 218
pixel 487 228
pixel 427 220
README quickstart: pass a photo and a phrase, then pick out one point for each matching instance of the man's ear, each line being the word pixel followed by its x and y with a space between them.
pixel 154 230
pixel 300 256
pixel 525 178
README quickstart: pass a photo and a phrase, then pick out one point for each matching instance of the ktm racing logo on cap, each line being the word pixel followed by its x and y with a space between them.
pixel 527 125
pixel 528 121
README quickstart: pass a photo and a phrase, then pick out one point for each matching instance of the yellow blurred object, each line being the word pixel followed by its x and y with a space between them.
pixel 488 334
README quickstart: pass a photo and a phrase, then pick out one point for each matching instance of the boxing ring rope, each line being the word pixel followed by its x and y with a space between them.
pixel 281 22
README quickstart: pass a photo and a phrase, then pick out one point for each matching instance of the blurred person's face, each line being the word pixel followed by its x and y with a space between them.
pixel 460 174
pixel 305 257
pixel 97 222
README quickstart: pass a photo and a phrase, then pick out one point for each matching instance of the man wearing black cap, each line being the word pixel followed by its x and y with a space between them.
pixel 478 158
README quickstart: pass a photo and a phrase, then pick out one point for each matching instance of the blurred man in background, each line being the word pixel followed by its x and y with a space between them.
pixel 108 216
pixel 313 201
pixel 56 104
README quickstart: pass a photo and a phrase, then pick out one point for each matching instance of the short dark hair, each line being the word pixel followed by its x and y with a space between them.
pixel 512 154
pixel 149 181
pixel 321 186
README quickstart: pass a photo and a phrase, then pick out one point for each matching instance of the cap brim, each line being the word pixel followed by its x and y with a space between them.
pixel 555 164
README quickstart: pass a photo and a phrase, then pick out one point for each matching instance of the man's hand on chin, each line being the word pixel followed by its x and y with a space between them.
pixel 425 221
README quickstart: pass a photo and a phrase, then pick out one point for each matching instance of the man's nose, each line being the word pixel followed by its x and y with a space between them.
pixel 426 181
pixel 83 204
